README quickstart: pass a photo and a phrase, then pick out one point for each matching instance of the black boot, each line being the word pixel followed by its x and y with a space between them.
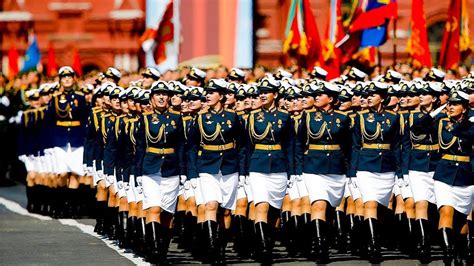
pixel 186 240
pixel 212 247
pixel 74 201
pixel 251 238
pixel 447 245
pixel 285 228
pixel 141 237
pixel 340 240
pixel 100 217
pixel 319 245
pixel 470 243
pixel 293 234
pixel 198 242
pixel 354 226
pixel 373 246
pixel 263 250
pixel 123 240
pixel 30 199
pixel 178 226
pixel 424 243
pixel 304 235
pixel 153 241
pixel 164 239
pixel 112 223
pixel 131 225
pixel 240 231
pixel 401 233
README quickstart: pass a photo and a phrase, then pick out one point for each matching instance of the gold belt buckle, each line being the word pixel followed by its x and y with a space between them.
pixel 220 147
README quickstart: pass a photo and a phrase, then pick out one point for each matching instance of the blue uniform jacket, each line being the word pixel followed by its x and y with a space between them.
pixel 323 128
pixel 68 112
pixel 160 130
pixel 454 138
pixel 111 148
pixel 271 127
pixel 208 135
pixel 420 155
pixel 376 142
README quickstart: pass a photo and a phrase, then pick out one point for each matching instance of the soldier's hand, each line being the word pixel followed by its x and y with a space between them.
pixel 187 185
pixel 291 181
pixel 299 178
pixel 353 181
pixel 100 173
pixel 400 182
pixel 182 179
pixel 241 181
pixel 438 110
pixel 121 189
pixel 406 181
pixel 194 183
pixel 247 180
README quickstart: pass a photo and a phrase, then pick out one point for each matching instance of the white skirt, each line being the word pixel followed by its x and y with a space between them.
pixel 376 186
pixel 298 190
pixel 69 160
pixel 325 187
pixel 198 193
pixel 269 188
pixel 188 192
pixel 160 192
pixel 422 186
pixel 241 192
pixel 460 198
pixel 248 190
pixel 130 191
pixel 220 188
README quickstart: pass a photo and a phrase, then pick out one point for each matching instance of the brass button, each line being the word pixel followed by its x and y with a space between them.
pixel 269 154
pixel 220 154
pixel 380 153
pixel 457 164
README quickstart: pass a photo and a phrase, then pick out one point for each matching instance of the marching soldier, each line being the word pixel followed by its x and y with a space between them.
pixel 376 157
pixel 217 155
pixel 271 163
pixel 160 163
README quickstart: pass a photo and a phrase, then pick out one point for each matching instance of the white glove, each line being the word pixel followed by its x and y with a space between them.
pixel 291 181
pixel 353 181
pixel 182 179
pixel 406 181
pixel 18 117
pixel 438 110
pixel 299 178
pixel 121 189
pixel 241 180
pixel 400 182
pixel 12 120
pixel 187 185
pixel 247 180
pixel 100 173
pixel 84 168
pixel 139 181
pixel 5 101
pixel 194 183
pixel 110 179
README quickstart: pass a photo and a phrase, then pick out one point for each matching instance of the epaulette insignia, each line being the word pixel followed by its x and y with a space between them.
pixel 363 111
pixel 341 112
pixel 283 111
pixel 79 93
pixel 174 112
pixel 391 112
pixel 255 111
pixel 229 110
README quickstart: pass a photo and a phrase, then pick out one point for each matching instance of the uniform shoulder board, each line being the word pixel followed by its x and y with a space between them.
pixel 202 112
pixel 391 112
pixel 147 113
pixel 255 111
pixel 283 111
pixel 401 112
pixel 297 116
pixel 229 110
pixel 363 111
pixel 79 93
pixel 341 112
pixel 245 116
pixel 174 112
pixel 240 113
pixel 310 111
pixel 186 118
pixel 107 115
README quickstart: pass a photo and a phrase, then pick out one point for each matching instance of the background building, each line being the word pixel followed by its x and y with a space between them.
pixel 106 32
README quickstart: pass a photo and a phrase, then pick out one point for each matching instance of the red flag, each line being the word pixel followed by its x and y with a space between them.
pixel 417 45
pixel 375 17
pixel 52 67
pixel 312 36
pixel 12 61
pixel 76 62
pixel 450 55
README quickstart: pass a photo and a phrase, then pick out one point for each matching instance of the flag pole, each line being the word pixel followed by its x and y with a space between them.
pixel 394 42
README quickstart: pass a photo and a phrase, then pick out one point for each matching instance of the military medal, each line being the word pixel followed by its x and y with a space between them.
pixel 388 122
pixel 280 123
pixel 319 116
pixel 420 115
pixel 208 119
pixel 338 122
pixel 260 117
pixel 154 119
pixel 173 123
pixel 76 103
pixel 449 126
pixel 62 99
pixel 370 118
pixel 229 123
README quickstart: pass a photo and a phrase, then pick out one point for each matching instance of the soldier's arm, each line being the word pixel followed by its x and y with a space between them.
pixel 192 149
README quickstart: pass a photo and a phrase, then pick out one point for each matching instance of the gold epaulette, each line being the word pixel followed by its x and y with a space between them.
pixel 402 111
pixel 106 115
pixel 391 112
pixel 240 112
pixel 186 118
pixel 363 111
pixel 79 93
pixel 297 116
pixel 341 112
pixel 147 113
pixel 310 111
pixel 283 110
pixel 256 111
pixel 174 111
pixel 229 110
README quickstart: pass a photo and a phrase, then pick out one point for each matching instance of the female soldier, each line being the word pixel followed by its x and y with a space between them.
pixel 376 157
pixel 320 145
pixel 453 183
pixel 271 163
pixel 160 153
pixel 421 159
pixel 217 155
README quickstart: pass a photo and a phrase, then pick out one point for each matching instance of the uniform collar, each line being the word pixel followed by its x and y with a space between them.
pixel 216 112
pixel 159 112
pixel 271 110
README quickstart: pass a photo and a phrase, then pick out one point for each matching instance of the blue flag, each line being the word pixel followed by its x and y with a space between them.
pixel 375 36
pixel 32 55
